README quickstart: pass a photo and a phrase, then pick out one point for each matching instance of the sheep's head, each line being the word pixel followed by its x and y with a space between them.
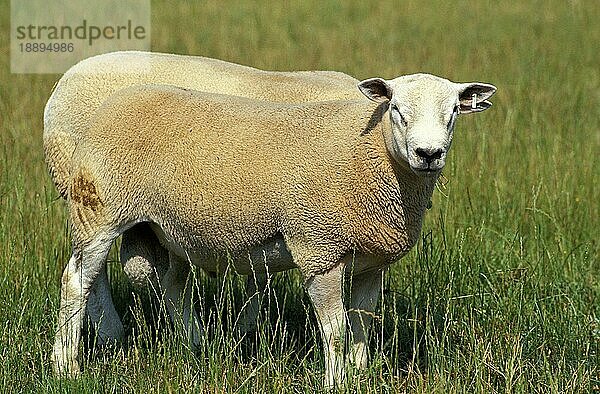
pixel 422 110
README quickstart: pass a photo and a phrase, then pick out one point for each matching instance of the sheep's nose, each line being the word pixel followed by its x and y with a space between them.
pixel 429 154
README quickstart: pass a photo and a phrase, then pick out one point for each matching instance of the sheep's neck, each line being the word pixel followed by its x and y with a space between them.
pixel 392 200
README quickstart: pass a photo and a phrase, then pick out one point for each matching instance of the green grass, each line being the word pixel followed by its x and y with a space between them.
pixel 501 295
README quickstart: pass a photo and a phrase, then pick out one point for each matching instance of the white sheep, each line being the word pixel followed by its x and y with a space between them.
pixel 334 188
pixel 84 87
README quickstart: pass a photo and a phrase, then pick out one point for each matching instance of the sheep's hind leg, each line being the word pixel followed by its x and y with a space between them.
pixel 77 280
pixel 144 260
pixel 363 300
pixel 177 286
pixel 255 290
pixel 102 313
pixel 325 291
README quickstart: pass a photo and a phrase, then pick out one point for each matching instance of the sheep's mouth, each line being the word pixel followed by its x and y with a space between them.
pixel 427 170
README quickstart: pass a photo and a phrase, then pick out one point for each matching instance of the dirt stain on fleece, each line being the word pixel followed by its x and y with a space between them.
pixel 83 191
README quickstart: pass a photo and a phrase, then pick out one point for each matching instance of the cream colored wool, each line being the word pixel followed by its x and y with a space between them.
pixel 331 188
pixel 86 85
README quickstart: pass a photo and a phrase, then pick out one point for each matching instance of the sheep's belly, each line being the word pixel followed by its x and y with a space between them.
pixel 269 256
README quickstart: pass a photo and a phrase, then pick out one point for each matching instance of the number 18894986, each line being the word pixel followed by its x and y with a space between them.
pixel 46 47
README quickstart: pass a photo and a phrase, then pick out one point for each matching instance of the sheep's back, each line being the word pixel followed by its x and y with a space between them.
pixel 85 86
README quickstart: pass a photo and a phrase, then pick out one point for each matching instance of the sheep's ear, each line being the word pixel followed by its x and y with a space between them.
pixel 473 96
pixel 376 89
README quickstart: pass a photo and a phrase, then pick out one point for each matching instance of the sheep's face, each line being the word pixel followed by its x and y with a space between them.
pixel 422 110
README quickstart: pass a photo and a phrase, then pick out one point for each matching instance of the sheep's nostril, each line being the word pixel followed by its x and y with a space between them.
pixel 429 154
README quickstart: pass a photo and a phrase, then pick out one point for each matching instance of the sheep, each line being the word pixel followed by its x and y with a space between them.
pixel 336 189
pixel 84 87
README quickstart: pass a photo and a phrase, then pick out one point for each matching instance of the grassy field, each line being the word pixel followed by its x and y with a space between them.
pixel 501 295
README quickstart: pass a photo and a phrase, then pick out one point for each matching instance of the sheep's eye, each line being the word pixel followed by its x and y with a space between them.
pixel 396 111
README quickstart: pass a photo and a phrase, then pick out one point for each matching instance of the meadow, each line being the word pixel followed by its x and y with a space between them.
pixel 502 293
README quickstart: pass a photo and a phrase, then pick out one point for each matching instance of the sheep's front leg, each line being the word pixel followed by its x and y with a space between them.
pixel 325 291
pixel 177 286
pixel 363 300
